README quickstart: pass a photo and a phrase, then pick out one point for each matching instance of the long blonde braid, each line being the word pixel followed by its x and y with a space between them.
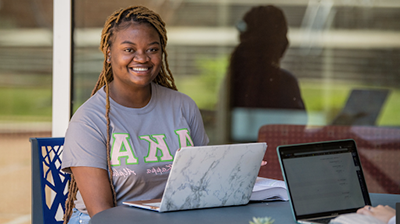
pixel 131 14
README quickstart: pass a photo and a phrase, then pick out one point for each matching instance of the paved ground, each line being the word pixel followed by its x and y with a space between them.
pixel 15 178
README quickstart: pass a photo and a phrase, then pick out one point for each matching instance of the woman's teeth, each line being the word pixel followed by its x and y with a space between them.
pixel 140 69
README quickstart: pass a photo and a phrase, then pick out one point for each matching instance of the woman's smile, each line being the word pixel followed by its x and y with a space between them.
pixel 139 69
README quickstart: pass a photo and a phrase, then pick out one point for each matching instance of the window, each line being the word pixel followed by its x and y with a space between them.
pixel 342 55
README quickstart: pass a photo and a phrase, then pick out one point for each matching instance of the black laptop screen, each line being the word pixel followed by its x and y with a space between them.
pixel 324 178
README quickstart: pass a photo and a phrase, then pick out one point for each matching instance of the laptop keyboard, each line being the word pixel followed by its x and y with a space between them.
pixel 323 220
pixel 155 204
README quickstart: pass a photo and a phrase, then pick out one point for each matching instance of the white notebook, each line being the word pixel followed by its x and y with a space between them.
pixel 209 176
pixel 266 189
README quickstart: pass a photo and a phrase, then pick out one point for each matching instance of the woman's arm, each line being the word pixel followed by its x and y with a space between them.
pixel 94 186
pixel 383 213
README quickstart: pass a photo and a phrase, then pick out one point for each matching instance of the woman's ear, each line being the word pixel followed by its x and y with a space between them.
pixel 108 55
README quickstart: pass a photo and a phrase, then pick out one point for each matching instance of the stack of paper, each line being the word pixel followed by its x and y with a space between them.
pixel 266 189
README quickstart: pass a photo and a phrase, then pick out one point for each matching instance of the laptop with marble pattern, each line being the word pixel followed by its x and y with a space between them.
pixel 209 176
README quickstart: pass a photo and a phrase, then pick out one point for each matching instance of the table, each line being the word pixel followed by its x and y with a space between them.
pixel 278 210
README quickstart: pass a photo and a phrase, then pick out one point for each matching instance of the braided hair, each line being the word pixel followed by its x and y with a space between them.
pixel 119 20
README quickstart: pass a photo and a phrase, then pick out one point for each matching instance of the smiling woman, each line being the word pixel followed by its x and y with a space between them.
pixel 133 123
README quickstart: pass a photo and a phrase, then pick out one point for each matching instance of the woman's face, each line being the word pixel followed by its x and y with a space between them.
pixel 135 56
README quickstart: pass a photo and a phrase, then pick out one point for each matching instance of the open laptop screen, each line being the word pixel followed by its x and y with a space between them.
pixel 324 178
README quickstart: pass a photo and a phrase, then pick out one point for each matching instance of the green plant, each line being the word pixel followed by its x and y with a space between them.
pixel 264 220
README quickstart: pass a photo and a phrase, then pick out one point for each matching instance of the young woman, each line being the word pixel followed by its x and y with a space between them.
pixel 121 142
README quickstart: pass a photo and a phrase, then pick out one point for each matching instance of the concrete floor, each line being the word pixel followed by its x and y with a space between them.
pixel 15 177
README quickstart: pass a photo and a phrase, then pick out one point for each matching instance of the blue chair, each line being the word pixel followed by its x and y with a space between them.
pixel 49 183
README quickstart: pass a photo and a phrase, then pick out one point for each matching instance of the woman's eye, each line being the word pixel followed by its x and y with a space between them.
pixel 153 50
pixel 129 50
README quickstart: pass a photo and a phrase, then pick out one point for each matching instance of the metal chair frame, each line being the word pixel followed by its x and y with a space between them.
pixel 49 183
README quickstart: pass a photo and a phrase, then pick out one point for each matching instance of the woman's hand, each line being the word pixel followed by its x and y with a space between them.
pixel 94 186
pixel 383 213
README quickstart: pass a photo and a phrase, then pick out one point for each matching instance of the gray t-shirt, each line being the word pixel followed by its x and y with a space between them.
pixel 143 141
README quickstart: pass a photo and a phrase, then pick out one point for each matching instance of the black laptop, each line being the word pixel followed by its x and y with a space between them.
pixel 324 179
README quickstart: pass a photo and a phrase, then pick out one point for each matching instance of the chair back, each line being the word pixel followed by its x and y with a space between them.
pixel 49 183
pixel 378 147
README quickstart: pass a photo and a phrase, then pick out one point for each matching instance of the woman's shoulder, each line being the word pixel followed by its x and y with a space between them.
pixel 88 119
pixel 92 108
pixel 288 75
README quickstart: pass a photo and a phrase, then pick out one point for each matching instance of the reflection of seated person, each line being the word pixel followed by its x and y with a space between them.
pixel 256 79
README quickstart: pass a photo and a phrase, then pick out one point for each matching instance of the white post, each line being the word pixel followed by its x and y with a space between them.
pixel 62 43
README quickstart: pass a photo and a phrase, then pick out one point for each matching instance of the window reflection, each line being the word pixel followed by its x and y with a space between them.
pixel 26 98
pixel 25 67
pixel 336 48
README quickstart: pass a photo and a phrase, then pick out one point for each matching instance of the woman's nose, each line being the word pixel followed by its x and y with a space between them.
pixel 141 57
